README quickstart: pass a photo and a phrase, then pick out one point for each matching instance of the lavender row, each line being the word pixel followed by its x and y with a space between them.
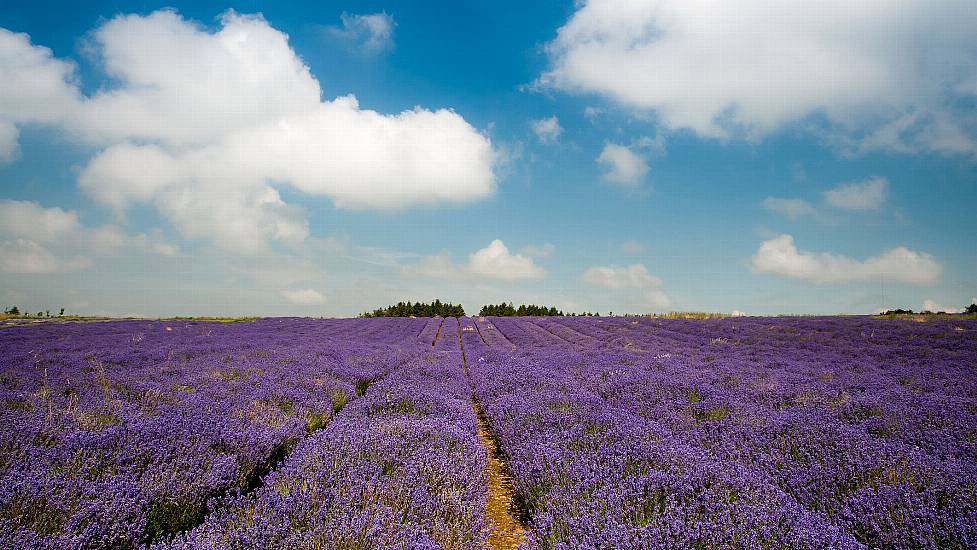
pixel 593 475
pixel 401 467
pixel 811 406
pixel 119 433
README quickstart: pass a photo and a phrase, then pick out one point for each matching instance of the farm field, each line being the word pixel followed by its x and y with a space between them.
pixel 490 432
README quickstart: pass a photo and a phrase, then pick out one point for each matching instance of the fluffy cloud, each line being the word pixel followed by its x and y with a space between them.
pixel 374 32
pixel 35 239
pixel 199 124
pixel 791 208
pixel 492 262
pixel 31 220
pixel 303 297
pixel 623 166
pixel 635 277
pixel 37 88
pixel 496 262
pixel 780 256
pixel 547 130
pixel 752 67
pixel 26 256
pixel 864 195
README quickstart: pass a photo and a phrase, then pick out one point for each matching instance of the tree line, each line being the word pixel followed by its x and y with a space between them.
pixel 437 308
pixel 971 309
pixel 447 309
pixel 14 311
pixel 508 310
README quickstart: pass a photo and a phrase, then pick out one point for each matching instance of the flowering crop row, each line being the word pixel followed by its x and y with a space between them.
pixel 833 423
pixel 119 433
pixel 400 467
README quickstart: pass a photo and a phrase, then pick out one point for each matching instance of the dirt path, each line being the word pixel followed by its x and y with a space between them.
pixel 437 334
pixel 506 527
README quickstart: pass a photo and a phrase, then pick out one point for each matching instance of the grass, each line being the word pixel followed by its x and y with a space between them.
pixel 689 315
pixel 923 317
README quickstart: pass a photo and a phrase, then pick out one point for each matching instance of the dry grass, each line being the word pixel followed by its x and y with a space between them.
pixel 689 315
pixel 923 317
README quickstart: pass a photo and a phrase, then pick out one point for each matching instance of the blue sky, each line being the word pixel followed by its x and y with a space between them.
pixel 648 156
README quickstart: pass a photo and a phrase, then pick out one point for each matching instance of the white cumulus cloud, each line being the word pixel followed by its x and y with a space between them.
pixel 35 239
pixel 623 166
pixel 29 219
pixel 495 261
pixel 861 195
pixel 206 125
pixel 303 297
pixel 26 256
pixel 547 130
pixel 780 256
pixel 753 66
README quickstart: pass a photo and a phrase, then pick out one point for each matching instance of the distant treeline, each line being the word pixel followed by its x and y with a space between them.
pixel 410 309
pixel 14 311
pixel 508 310
pixel 971 309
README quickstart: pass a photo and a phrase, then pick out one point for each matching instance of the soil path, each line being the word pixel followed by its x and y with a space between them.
pixel 506 527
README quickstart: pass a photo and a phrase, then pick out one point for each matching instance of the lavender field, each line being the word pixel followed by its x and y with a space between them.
pixel 627 432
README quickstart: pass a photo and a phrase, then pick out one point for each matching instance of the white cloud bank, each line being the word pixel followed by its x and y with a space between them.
pixel 631 277
pixel 885 71
pixel 303 297
pixel 35 239
pixel 199 124
pixel 622 165
pixel 780 256
pixel 547 130
pixel 492 262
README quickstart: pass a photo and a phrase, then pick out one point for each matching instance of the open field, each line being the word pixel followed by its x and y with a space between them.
pixel 585 432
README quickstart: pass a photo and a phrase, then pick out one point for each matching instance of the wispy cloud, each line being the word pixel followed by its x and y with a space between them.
pixel 780 256
pixel 547 130
pixel 372 33
pixel 860 195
